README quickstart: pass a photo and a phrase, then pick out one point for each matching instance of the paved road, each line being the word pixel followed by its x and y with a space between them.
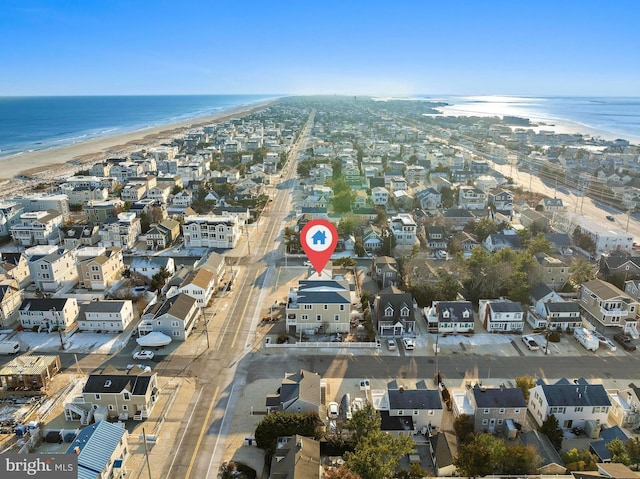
pixel 221 372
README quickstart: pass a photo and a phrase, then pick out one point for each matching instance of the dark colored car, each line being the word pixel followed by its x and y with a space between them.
pixel 610 218
pixel 625 341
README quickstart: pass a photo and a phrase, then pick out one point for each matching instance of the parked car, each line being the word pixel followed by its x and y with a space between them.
pixel 333 410
pixel 409 344
pixel 530 343
pixel 625 341
pixel 144 367
pixel 391 344
pixel 610 218
pixel 143 354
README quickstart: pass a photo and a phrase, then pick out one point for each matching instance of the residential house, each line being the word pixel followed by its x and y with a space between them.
pixel 81 195
pixel 436 238
pixel 550 311
pixel 394 313
pixel 554 272
pixel 200 285
pixel 16 266
pixel 501 315
pixel 122 231
pixel 45 202
pixel 296 457
pixel 38 227
pixel 486 183
pixel 421 408
pixel 599 447
pixel 560 242
pixel 471 198
pixel 99 267
pixel 149 266
pixel 625 406
pixel 533 219
pixel 102 450
pixel 102 211
pixel 497 410
pixel 10 300
pixel 552 205
pixel 450 317
pixel 501 200
pixel 299 393
pixel 504 239
pixel 175 317
pixel 415 174
pixel 620 263
pixel 115 394
pixel 379 196
pixel 572 403
pixel 429 198
pixel 211 231
pixel 10 212
pixel 52 268
pixel 80 235
pixel 467 241
pixel 133 192
pixel 372 238
pixel 441 447
pixel 163 234
pixel 107 316
pixel 384 270
pixel 456 219
pixel 217 265
pixel 29 372
pixel 550 461
pixel 403 228
pixel 159 193
pixel 48 313
pixel 182 199
pixel 319 305
pixel 604 305
pixel 360 200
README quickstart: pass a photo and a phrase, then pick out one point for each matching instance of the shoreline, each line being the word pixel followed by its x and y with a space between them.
pixel 65 159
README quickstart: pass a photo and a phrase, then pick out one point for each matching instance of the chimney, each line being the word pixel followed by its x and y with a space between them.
pixel 401 389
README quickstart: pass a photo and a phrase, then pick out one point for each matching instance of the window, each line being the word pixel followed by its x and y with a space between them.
pixel 175 333
pixel 516 411
pixel 400 412
pixel 175 324
pixel 326 306
pixel 127 396
pixel 110 407
pixel 416 412
pixel 501 411
pixel 342 307
pixel 499 421
pixel 97 397
pixel 486 411
pixel 304 317
pixel 485 422
pixel 318 317
pixel 125 407
pixel 307 306
pixel 579 409
pixel 337 317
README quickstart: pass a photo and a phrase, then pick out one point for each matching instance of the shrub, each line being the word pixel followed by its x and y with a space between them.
pixel 554 337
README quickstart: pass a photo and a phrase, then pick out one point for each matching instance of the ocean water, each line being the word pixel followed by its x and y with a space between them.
pixel 37 123
pixel 610 116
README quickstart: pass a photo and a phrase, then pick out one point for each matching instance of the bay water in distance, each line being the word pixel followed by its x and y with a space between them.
pixel 613 116
pixel 38 123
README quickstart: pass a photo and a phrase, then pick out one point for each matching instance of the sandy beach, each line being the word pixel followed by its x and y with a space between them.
pixel 63 161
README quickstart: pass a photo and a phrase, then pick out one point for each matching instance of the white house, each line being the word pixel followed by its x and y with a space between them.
pixel 501 316
pixel 379 196
pixel 106 316
pixel 403 228
pixel 151 265
pixel 200 285
pixel 211 231
pixel 52 268
pixel 48 313
pixel 572 403
pixel 38 227
pixel 175 317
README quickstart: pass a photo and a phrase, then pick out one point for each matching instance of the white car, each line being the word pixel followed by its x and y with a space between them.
pixel 391 345
pixel 143 354
pixel 530 343
pixel 333 410
pixel 409 344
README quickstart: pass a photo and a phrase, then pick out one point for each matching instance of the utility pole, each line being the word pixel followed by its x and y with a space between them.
pixel 146 452
pixel 206 329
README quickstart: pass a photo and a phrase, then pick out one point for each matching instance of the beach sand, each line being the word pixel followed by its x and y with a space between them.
pixel 61 162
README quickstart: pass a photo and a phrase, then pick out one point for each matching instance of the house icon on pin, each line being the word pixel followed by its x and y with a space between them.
pixel 319 237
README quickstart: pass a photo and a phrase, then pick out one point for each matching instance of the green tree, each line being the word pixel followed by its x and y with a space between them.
pixel 377 455
pixel 551 429
pixel 291 239
pixel 518 288
pixel 381 220
pixel 282 424
pixel 346 226
pixel 475 457
pixel 358 248
pixel 518 460
pixel 423 293
pixel 583 240
pixel 581 271
pixel 463 427
pixel 539 244
pixel 388 243
pixel 525 383
pixel 485 227
pixel 618 452
pixel 448 286
pixel 633 450
pixel 448 197
pixel 362 422
pixel 342 201
pixel 159 279
pixel 579 460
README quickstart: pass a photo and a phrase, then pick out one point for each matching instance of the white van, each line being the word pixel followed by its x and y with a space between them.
pixel 9 347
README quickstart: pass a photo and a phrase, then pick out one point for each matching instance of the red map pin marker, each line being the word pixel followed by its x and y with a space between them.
pixel 319 239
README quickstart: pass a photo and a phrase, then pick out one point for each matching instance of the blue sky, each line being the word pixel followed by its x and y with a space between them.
pixel 512 47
